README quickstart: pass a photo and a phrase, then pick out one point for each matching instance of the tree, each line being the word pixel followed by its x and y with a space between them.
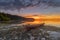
pixel 3 17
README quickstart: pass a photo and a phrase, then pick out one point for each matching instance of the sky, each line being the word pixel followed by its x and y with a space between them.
pixel 39 11
pixel 35 11
pixel 46 8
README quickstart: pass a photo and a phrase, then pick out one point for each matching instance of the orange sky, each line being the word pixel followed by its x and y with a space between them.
pixel 47 19
pixel 52 18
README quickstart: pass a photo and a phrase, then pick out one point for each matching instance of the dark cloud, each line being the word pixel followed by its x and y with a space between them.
pixel 18 4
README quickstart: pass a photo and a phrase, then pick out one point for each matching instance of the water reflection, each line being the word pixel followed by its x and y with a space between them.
pixel 35 22
pixel 52 23
pixel 57 24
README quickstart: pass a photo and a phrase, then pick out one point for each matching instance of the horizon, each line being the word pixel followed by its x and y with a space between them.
pixel 29 19
pixel 46 10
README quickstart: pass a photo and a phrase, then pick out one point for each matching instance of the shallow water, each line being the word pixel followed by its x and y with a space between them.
pixel 35 34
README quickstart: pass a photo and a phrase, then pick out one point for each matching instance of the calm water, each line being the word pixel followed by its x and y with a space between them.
pixel 57 24
pixel 36 34
pixel 52 23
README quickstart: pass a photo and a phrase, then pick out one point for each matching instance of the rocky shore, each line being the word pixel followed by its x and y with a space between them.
pixel 20 33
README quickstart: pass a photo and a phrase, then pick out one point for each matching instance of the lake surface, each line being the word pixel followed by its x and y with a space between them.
pixel 51 23
pixel 32 34
pixel 55 24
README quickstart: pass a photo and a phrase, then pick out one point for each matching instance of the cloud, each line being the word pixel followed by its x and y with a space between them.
pixel 18 4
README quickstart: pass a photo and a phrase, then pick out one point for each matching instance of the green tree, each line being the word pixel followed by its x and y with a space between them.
pixel 4 17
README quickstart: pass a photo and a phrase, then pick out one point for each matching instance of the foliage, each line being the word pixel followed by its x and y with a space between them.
pixel 4 17
pixel 8 17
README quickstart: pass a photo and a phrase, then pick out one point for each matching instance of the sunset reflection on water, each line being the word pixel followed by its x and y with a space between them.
pixel 48 20
pixel 57 24
pixel 34 22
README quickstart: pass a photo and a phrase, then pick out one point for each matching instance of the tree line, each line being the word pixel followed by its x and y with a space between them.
pixel 8 17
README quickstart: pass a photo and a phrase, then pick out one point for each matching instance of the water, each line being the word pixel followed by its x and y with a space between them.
pixel 17 32
pixel 57 23
pixel 51 23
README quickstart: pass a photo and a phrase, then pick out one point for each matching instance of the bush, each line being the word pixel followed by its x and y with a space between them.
pixel 3 17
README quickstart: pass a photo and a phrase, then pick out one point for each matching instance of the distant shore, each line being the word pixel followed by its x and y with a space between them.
pixel 11 22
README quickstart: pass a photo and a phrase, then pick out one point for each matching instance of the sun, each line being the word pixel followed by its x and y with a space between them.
pixel 36 17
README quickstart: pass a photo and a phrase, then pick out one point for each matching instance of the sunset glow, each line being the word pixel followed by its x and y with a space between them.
pixel 47 19
pixel 36 17
pixel 30 19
